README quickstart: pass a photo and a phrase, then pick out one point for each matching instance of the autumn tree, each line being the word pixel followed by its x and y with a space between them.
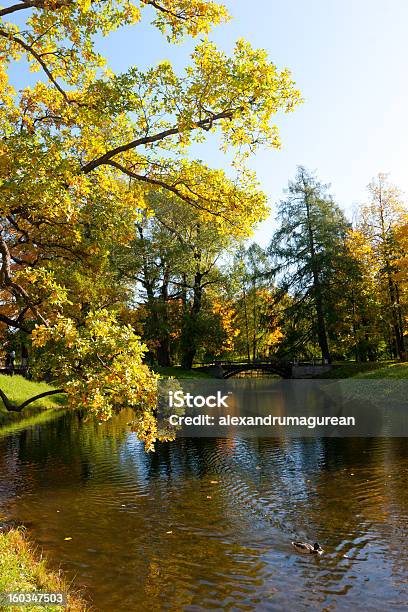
pixel 82 146
pixel 307 250
pixel 379 223
pixel 402 263
pixel 255 302
pixel 223 325
pixel 361 333
pixel 174 262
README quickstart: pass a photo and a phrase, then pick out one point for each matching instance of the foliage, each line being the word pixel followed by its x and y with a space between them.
pixel 224 330
pixel 343 285
pixel 82 148
pixel 381 223
pixel 100 365
pixel 174 261
pixel 256 304
pixel 308 251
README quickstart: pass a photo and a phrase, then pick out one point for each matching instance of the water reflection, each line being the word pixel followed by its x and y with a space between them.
pixel 207 523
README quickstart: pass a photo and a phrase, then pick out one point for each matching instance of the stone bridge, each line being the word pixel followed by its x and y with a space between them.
pixel 285 369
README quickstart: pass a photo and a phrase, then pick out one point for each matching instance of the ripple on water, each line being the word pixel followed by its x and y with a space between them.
pixel 207 524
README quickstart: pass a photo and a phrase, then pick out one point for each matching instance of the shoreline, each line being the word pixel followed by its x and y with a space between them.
pixel 23 569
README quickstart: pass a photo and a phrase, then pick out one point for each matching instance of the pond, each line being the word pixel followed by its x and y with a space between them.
pixel 208 523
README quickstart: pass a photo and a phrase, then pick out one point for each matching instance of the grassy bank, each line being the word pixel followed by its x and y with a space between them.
pixel 178 372
pixel 18 389
pixel 22 571
pixel 369 370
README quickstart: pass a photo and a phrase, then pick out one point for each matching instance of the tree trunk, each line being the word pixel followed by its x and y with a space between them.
pixel 355 330
pixel 246 322
pixel 164 352
pixel 400 321
pixel 190 332
pixel 321 325
pixel 254 340
pixel 10 407
pixel 188 358
pixel 317 289
pixel 398 339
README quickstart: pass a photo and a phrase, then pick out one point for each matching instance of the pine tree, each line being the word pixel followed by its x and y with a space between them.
pixel 308 248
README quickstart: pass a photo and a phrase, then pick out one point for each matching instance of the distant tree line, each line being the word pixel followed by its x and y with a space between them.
pixel 324 287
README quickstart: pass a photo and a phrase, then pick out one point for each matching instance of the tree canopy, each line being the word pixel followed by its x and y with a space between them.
pixel 82 147
pixel 308 248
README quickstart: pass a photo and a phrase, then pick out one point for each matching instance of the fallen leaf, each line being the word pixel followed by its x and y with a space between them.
pixel 66 539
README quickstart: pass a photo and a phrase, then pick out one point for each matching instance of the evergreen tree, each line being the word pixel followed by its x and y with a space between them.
pixel 308 249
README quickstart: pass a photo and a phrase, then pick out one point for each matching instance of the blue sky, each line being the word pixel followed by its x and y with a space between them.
pixel 350 60
pixel 348 57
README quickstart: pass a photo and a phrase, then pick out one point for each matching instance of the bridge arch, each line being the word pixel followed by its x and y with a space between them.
pixel 228 369
pixel 283 372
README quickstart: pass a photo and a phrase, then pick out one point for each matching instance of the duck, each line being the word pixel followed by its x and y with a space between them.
pixel 308 549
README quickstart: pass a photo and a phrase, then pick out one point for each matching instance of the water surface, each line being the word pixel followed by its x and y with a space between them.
pixel 206 524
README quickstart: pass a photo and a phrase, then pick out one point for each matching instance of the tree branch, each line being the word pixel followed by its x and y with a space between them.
pixel 37 57
pixel 25 4
pixel 160 8
pixel 10 407
pixel 158 183
pixel 7 281
pixel 16 7
pixel 13 323
pixel 106 157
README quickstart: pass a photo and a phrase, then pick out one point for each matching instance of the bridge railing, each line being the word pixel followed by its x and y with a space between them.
pixel 231 362
pixel 234 362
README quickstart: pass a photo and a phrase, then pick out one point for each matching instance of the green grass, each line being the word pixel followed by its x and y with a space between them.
pixel 369 370
pixel 19 389
pixel 395 370
pixel 178 372
pixel 22 571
